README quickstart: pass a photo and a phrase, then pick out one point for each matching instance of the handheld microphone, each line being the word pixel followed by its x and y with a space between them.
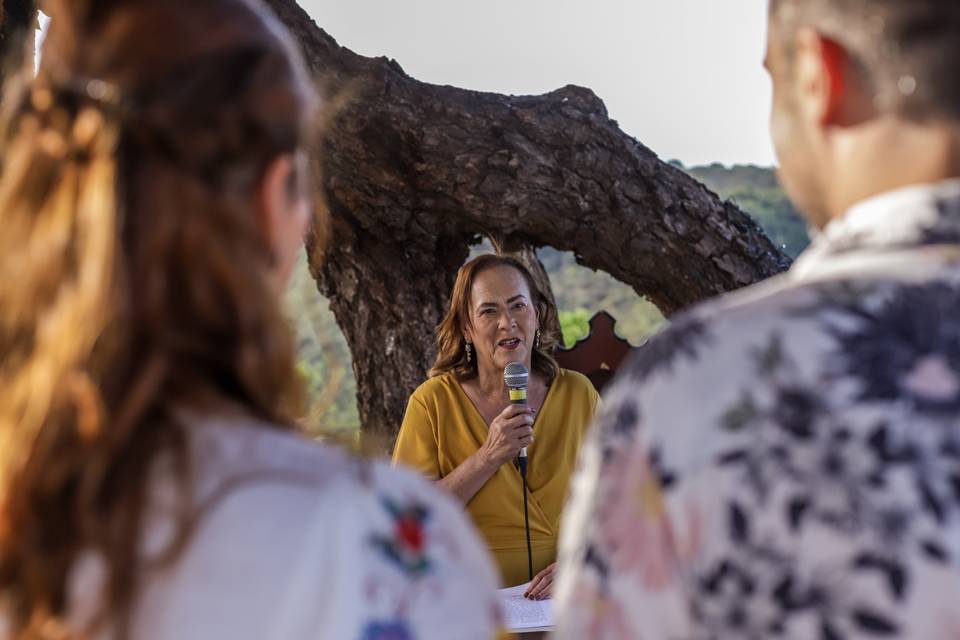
pixel 515 376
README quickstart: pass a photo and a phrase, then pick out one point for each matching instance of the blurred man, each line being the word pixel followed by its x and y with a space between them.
pixel 785 462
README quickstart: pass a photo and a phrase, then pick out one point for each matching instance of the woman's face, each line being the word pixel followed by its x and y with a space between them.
pixel 298 217
pixel 285 215
pixel 503 320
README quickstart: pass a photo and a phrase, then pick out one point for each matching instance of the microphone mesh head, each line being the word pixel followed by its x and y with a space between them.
pixel 515 375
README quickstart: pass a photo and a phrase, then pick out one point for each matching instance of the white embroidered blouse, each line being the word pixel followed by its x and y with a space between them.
pixel 299 540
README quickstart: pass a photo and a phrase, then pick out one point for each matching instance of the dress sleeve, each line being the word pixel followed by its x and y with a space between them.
pixel 417 446
pixel 595 404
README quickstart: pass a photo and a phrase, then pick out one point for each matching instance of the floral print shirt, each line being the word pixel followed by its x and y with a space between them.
pixel 784 462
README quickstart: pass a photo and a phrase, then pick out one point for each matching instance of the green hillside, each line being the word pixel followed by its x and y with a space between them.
pixel 755 190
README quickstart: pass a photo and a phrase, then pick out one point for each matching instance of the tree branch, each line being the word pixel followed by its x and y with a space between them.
pixel 414 172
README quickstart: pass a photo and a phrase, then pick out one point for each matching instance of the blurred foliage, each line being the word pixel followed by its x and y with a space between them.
pixel 581 292
pixel 324 359
pixel 756 191
pixel 574 325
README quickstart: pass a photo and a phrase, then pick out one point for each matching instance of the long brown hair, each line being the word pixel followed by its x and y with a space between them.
pixel 451 343
pixel 134 274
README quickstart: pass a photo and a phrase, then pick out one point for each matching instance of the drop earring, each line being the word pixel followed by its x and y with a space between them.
pixel 536 340
pixel 469 349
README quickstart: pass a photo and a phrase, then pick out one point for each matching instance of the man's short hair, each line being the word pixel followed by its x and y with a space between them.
pixel 908 49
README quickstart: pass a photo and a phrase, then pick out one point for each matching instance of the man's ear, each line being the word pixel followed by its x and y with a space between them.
pixel 836 70
pixel 830 91
pixel 273 200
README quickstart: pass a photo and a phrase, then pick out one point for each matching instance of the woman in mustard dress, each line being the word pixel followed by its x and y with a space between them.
pixel 461 430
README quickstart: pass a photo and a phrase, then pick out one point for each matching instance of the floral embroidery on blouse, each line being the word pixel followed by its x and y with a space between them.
pixel 416 560
pixel 785 462
pixel 387 631
pixel 405 548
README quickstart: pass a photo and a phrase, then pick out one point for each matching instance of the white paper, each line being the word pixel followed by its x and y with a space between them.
pixel 520 614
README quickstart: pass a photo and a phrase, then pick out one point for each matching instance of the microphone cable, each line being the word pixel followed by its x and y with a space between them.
pixel 526 515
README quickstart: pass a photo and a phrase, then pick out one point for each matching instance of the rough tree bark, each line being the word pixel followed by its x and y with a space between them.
pixel 414 173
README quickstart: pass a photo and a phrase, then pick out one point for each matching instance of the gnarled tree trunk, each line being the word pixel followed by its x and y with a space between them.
pixel 414 173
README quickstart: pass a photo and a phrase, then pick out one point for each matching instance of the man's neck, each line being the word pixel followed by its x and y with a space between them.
pixel 887 155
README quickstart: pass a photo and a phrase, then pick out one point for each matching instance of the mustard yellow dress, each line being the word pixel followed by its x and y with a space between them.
pixel 442 428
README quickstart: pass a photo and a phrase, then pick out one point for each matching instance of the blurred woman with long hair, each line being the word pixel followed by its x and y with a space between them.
pixel 153 198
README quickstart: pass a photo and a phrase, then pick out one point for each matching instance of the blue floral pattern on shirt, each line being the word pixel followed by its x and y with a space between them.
pixel 785 462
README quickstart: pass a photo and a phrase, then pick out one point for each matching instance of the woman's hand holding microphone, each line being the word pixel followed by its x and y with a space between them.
pixel 509 432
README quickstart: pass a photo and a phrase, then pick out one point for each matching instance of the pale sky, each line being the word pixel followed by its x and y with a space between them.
pixel 684 77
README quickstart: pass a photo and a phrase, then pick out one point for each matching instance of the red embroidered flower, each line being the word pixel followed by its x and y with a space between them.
pixel 406 545
pixel 410 533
